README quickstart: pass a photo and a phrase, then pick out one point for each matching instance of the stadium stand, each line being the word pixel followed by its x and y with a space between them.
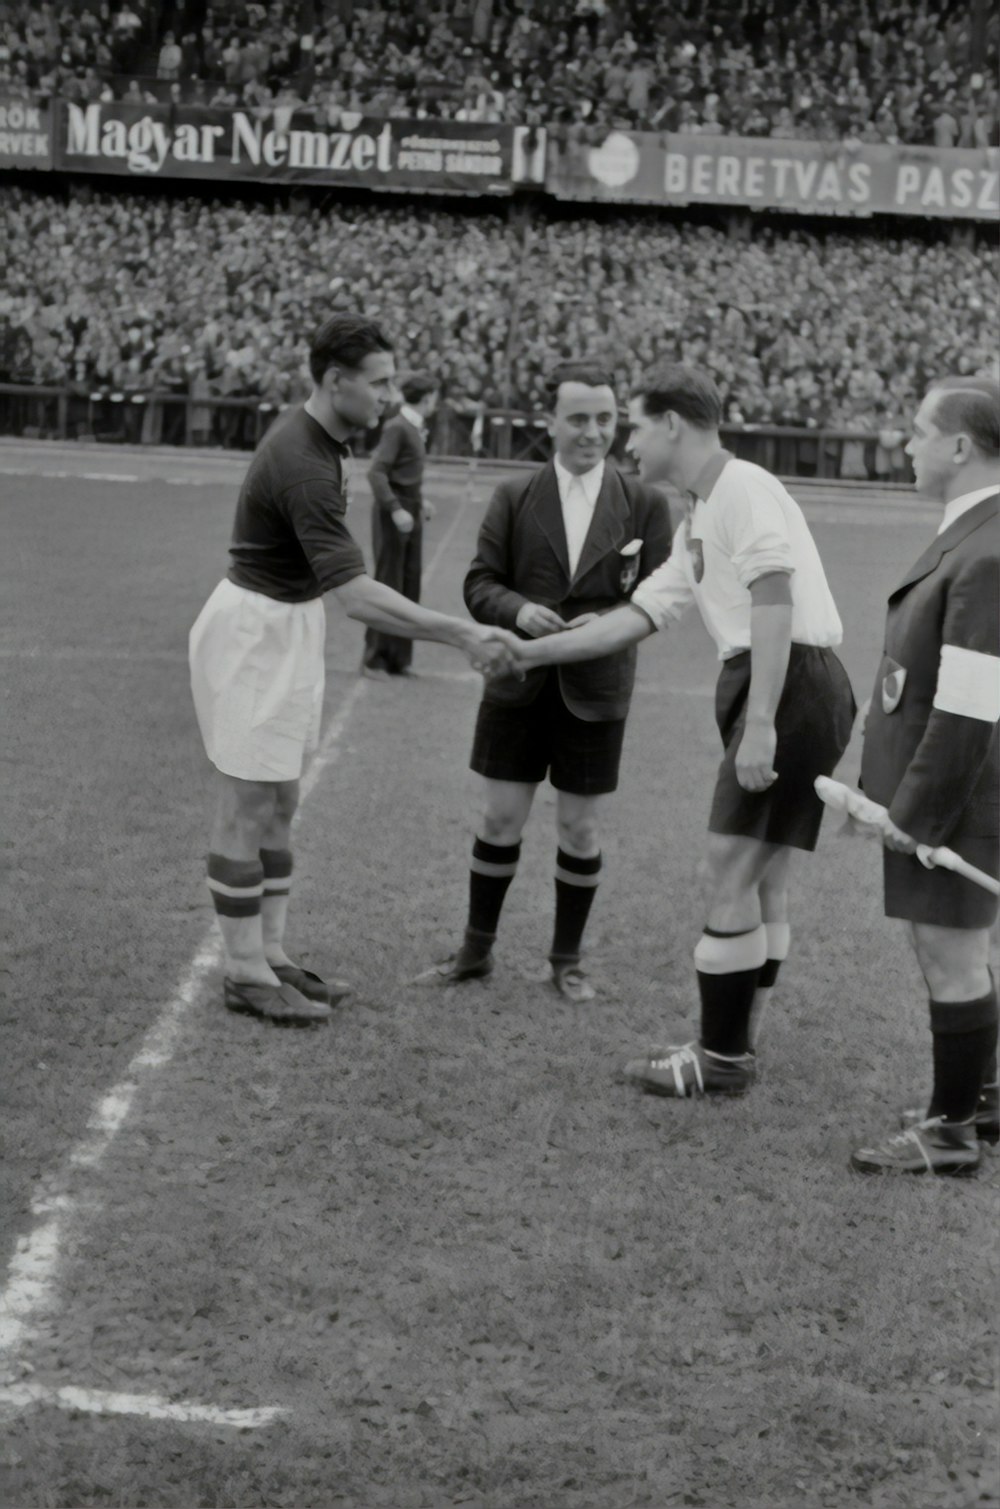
pixel 210 297
pixel 911 71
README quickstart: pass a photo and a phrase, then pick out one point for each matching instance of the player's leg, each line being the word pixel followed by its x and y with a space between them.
pixel 963 1018
pixel 277 863
pixel 773 891
pixel 728 959
pixel 243 814
pixel 496 850
pixel 578 873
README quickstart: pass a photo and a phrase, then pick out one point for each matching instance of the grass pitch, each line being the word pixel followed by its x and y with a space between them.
pixel 470 1264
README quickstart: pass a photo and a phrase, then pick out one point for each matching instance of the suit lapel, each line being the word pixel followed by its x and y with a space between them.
pixel 547 509
pixel 609 525
pixel 952 536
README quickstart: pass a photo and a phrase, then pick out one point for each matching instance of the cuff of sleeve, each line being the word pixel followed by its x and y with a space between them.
pixel 334 579
pixel 762 565
pixel 658 613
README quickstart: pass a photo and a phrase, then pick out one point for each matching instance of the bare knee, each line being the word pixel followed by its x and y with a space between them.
pixel 578 833
pixel 286 801
pixel 954 961
pixel 245 810
pixel 504 815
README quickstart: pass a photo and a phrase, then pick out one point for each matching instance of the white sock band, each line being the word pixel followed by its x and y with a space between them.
pixel 729 956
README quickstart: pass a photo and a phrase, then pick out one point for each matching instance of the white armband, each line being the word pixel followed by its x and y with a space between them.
pixel 968 684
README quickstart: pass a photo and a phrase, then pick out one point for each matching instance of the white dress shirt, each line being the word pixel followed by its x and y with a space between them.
pixel 958 506
pixel 578 496
pixel 743 524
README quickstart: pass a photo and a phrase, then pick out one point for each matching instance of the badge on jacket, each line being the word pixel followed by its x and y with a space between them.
pixel 893 682
pixel 630 570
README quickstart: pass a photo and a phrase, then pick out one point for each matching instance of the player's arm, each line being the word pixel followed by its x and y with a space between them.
pixel 491 650
pixel 770 647
pixel 600 636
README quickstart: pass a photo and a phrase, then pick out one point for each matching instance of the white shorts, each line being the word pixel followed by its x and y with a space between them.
pixel 257 675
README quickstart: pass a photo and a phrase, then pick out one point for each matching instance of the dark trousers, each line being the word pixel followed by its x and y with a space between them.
pixel 398 560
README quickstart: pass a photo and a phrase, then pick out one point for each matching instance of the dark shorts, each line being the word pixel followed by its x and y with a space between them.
pixel 814 720
pixel 545 738
pixel 940 896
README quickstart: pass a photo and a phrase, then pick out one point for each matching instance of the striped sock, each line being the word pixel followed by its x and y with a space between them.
pixel 779 936
pixel 728 966
pixel 576 885
pixel 277 867
pixel 491 870
pixel 237 885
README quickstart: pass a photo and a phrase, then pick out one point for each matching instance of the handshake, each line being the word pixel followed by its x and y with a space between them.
pixel 499 652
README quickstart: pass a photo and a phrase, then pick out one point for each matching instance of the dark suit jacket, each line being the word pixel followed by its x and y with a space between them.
pixel 522 557
pixel 937 771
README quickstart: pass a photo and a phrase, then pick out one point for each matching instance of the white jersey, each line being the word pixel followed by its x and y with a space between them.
pixel 741 525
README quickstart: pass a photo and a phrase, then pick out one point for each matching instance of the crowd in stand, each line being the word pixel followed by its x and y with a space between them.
pixel 212 298
pixel 914 71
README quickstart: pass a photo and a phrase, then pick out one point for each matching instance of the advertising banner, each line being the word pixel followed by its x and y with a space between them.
pixel 25 134
pixel 817 178
pixel 151 141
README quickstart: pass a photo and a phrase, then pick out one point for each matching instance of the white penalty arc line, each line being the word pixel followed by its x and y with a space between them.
pixel 33 1269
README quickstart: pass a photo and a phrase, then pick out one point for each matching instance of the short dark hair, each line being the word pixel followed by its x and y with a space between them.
pixel 672 387
pixel 969 406
pixel 416 385
pixel 344 340
pixel 583 369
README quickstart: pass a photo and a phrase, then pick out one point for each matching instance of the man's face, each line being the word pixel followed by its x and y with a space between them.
pixel 360 396
pixel 583 425
pixel 652 443
pixel 931 452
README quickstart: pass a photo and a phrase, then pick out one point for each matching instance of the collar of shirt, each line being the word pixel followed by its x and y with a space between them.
pixel 590 482
pixel 958 506
pixel 709 475
pixel 417 420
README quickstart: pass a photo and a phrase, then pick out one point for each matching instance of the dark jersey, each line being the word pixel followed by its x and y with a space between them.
pixel 290 539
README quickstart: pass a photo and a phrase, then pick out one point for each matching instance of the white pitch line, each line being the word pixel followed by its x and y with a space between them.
pixel 90 1401
pixel 31 1276
pixel 17 471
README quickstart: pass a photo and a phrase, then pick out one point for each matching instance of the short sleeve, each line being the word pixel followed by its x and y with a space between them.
pixel 664 594
pixel 317 511
pixel 754 531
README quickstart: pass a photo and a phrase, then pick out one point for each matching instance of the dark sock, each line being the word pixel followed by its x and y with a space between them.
pixel 237 885
pixel 965 1040
pixel 727 987
pixel 768 973
pixel 492 869
pixel 576 885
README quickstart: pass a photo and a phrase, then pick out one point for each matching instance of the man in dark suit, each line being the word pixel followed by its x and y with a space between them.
pixel 564 546
pixel 931 757
pixel 396 476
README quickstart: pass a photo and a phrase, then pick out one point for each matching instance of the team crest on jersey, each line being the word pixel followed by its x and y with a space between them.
pixel 697 554
pixel 893 683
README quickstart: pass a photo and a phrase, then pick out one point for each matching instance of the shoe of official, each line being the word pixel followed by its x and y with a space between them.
pixel 467 964
pixel 691 1071
pixel 281 1004
pixel 933 1146
pixel 986 1120
pixel 571 982
pixel 308 984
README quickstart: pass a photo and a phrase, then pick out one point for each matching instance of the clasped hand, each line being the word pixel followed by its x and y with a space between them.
pixel 494 652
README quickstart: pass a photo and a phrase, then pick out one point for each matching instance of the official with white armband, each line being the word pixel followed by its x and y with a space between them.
pixel 931 758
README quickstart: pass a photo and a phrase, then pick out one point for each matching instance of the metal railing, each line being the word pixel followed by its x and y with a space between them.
pixel 151 418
